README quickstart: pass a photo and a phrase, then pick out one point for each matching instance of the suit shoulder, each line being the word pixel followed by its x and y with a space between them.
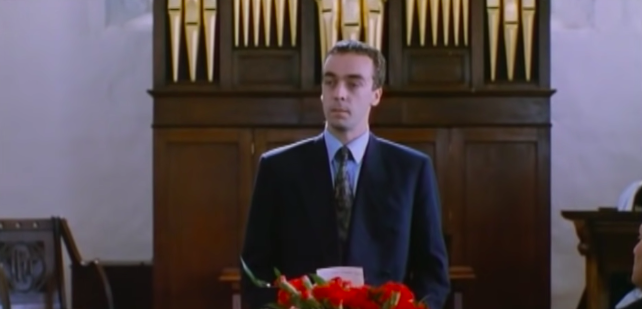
pixel 288 151
pixel 403 152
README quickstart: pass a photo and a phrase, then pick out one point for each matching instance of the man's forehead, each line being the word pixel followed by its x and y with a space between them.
pixel 345 64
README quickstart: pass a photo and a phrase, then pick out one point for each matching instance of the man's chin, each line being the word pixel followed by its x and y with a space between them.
pixel 338 126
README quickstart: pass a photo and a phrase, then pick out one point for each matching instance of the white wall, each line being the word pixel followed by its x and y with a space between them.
pixel 597 120
pixel 75 137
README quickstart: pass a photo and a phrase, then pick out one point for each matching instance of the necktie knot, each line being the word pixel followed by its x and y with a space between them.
pixel 343 154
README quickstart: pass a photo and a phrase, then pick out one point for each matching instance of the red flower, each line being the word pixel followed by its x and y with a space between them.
pixel 335 291
pixel 387 291
pixel 361 298
pixel 284 297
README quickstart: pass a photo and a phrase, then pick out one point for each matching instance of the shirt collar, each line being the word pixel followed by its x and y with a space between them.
pixel 357 146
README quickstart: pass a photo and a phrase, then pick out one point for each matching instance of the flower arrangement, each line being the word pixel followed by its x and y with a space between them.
pixel 313 292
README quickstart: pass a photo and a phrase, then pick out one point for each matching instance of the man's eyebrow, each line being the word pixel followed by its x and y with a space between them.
pixel 349 76
pixel 355 76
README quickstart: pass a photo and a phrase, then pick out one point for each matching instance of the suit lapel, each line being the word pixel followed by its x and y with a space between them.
pixel 371 178
pixel 318 197
pixel 369 208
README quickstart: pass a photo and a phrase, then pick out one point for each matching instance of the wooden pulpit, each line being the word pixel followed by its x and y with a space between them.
pixel 607 238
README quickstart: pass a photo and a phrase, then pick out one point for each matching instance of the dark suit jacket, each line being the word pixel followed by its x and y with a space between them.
pixel 631 300
pixel 395 234
pixel 634 305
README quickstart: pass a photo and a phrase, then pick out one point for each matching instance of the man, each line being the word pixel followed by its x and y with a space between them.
pixel 347 197
pixel 633 300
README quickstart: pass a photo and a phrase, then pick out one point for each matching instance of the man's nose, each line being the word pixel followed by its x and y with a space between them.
pixel 340 91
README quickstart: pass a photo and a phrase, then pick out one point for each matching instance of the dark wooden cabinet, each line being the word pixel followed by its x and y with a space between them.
pixel 483 119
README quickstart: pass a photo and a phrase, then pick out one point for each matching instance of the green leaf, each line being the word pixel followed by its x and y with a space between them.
pixel 277 273
pixel 395 298
pixel 386 304
pixel 317 279
pixel 424 300
pixel 307 283
pixel 258 282
pixel 312 303
pixel 288 287
pixel 392 301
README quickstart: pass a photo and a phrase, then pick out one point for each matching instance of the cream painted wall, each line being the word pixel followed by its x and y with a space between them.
pixel 597 120
pixel 75 137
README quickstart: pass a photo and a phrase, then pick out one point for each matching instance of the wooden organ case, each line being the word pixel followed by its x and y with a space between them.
pixel 468 83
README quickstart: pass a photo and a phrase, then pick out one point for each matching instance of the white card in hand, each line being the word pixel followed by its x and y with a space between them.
pixel 352 274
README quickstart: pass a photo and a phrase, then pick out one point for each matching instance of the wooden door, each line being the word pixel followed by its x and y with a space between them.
pixel 201 182
pixel 501 204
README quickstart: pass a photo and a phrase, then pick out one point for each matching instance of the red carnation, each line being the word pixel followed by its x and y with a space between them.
pixel 284 296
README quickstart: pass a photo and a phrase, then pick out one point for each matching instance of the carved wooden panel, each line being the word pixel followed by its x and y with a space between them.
pixel 453 65
pixel 25 265
pixel 500 177
pixel 203 182
pixel 278 69
pixel 30 257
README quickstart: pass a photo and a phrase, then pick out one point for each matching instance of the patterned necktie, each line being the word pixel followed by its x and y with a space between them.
pixel 343 193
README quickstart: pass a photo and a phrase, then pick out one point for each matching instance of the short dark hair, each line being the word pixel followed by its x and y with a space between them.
pixel 360 48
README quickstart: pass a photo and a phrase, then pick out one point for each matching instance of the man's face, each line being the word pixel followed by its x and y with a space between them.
pixel 347 91
pixel 636 277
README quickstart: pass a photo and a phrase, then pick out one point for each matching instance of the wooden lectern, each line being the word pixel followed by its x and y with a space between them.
pixel 607 238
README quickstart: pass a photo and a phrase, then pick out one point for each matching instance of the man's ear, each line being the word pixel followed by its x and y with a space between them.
pixel 321 97
pixel 377 96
